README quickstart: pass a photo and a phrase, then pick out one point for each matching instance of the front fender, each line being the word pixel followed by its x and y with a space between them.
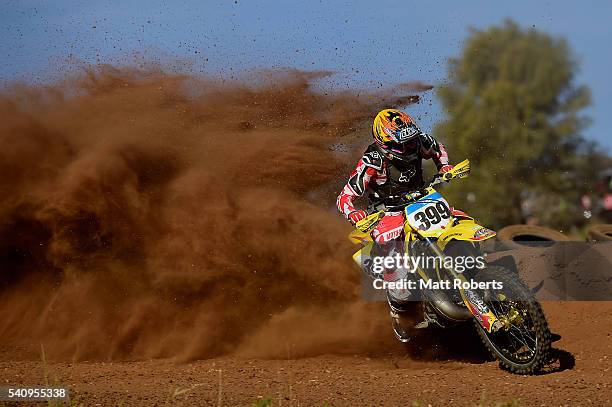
pixel 467 230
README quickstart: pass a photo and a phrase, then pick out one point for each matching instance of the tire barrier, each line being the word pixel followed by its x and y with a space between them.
pixel 599 233
pixel 518 236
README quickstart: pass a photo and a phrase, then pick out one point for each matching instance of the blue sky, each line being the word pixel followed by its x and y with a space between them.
pixel 367 43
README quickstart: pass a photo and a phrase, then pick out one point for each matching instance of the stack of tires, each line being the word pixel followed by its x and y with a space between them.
pixel 547 259
pixel 517 236
pixel 600 233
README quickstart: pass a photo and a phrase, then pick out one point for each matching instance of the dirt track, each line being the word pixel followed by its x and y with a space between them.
pixel 112 248
pixel 392 377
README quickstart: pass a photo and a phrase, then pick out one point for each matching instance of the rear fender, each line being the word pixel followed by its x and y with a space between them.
pixel 363 254
pixel 359 237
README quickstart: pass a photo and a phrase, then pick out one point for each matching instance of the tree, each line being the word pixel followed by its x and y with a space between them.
pixel 513 109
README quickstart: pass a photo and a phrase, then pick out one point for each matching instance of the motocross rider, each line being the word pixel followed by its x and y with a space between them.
pixel 390 168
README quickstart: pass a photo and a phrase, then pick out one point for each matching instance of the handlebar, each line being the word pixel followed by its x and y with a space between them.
pixel 460 170
pixel 436 180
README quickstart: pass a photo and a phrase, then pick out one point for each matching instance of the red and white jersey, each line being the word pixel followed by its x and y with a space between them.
pixel 376 173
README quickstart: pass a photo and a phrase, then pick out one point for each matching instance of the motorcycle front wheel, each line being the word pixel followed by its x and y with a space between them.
pixel 522 344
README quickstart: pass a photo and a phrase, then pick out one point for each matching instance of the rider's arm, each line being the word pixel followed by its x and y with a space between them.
pixel 368 168
pixel 431 148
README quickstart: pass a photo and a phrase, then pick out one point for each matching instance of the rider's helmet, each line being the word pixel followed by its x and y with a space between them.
pixel 395 133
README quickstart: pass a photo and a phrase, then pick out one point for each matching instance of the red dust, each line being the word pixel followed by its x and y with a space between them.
pixel 149 215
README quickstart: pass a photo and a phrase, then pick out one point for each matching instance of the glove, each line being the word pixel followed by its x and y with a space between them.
pixel 356 216
pixel 445 168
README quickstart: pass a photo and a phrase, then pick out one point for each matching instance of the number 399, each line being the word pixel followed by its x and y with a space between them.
pixel 432 215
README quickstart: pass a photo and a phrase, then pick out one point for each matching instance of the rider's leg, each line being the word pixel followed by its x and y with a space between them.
pixel 389 228
pixel 388 236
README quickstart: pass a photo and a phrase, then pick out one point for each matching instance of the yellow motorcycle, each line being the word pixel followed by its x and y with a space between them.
pixel 507 317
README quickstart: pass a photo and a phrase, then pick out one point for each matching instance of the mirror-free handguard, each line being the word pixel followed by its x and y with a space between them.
pixel 459 171
pixel 366 224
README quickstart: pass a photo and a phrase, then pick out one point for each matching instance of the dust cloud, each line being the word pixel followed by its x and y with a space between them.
pixel 147 214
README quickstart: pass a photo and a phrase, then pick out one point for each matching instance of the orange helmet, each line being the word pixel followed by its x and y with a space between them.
pixel 392 130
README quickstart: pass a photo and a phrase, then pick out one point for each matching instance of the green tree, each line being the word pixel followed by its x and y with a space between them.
pixel 513 109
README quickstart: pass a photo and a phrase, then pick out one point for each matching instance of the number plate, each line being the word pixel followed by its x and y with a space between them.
pixel 430 213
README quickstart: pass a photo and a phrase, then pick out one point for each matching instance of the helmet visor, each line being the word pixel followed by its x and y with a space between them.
pixel 406 133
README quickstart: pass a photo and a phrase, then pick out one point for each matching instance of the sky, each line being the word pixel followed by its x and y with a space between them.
pixel 367 44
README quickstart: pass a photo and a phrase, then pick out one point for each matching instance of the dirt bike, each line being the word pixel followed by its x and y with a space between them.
pixel 509 320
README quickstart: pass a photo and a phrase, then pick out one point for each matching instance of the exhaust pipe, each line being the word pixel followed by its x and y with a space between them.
pixel 447 308
pixel 440 302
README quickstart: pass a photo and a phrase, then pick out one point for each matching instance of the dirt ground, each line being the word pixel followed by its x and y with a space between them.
pixel 452 373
